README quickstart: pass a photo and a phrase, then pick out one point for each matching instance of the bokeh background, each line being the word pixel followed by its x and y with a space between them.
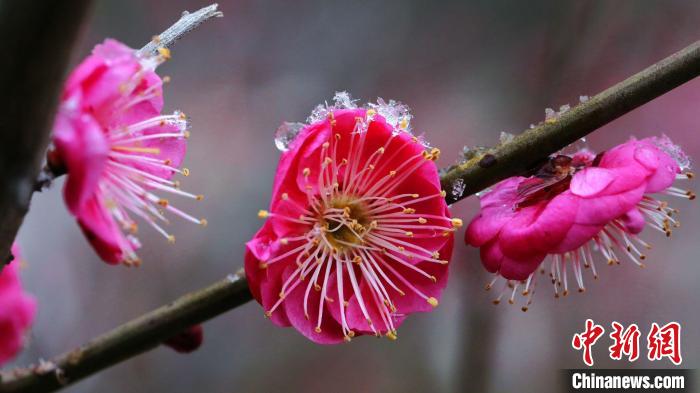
pixel 469 70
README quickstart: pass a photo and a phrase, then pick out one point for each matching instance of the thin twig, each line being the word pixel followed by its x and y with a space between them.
pixel 534 145
pixel 188 22
pixel 512 158
pixel 140 335
pixel 36 38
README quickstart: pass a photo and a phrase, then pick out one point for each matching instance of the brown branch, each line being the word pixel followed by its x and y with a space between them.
pixel 36 37
pixel 509 159
pixel 140 335
pixel 534 145
pixel 186 23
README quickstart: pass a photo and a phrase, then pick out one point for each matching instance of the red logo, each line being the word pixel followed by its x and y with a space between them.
pixel 665 341
pixel 662 342
pixel 586 339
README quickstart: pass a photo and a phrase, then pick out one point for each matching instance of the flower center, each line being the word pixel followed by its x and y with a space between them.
pixel 347 220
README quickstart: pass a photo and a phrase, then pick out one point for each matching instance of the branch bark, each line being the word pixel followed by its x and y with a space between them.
pixel 186 23
pixel 36 37
pixel 140 335
pixel 534 145
pixel 515 157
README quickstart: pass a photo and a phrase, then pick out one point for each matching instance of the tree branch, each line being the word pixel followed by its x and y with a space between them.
pixel 187 23
pixel 36 37
pixel 536 144
pixel 508 159
pixel 140 335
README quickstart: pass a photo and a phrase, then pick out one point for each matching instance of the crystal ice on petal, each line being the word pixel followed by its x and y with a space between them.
pixel 395 113
pixel 667 146
pixel 343 100
pixel 286 134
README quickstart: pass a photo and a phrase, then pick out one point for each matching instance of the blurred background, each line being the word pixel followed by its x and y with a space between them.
pixel 469 70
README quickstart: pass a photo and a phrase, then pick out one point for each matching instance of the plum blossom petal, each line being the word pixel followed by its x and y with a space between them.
pixel 17 309
pixel 119 150
pixel 358 235
pixel 573 206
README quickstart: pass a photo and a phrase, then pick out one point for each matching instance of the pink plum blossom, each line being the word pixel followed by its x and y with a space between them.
pixel 358 234
pixel 17 310
pixel 575 205
pixel 118 149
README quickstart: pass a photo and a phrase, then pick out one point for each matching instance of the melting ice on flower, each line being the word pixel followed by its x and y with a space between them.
pixel 119 150
pixel 358 234
pixel 574 205
pixel 17 309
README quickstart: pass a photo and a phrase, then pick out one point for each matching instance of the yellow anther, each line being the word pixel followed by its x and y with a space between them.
pixel 203 222
pixel 166 79
pixel 317 329
pixel 436 255
pixel 551 120
pixel 185 172
pixel 163 202
pixel 422 220
pixel 392 173
pixel 306 172
pixel 284 241
pixel 268 314
pixel 347 339
pixel 391 336
pixel 432 301
pixel 133 228
pixel 165 52
pixel 457 223
pixel 263 214
pixel 327 161
pixel 443 193
pixel 171 239
pixel 182 116
pixel 415 195
pixel 444 262
pixel 414 139
pixel 357 259
pixel 435 153
pixel 403 124
pixel 371 112
pixel 409 210
pixel 380 150
pixel 409 233
pixel 186 134
pixel 199 197
pixel 325 145
pixel 282 295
